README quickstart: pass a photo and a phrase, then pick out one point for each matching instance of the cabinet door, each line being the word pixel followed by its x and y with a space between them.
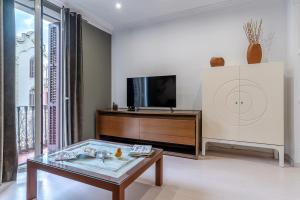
pixel 220 103
pixel 261 103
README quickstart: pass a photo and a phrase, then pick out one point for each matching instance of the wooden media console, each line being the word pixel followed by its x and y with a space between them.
pixel 163 126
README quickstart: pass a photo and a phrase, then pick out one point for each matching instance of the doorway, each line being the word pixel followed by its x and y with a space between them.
pixel 25 79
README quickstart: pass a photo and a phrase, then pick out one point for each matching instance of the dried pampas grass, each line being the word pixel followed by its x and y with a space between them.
pixel 253 30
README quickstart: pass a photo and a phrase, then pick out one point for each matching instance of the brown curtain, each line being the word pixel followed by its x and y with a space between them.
pixel 72 59
pixel 8 149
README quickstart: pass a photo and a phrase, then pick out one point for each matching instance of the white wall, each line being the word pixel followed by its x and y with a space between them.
pixel 184 47
pixel 293 79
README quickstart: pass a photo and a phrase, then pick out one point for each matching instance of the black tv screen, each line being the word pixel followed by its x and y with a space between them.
pixel 156 91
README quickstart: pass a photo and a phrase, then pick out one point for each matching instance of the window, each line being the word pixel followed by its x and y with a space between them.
pixel 25 76
pixel 31 67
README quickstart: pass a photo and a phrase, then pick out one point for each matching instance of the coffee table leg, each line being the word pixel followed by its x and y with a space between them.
pixel 159 172
pixel 31 182
pixel 119 194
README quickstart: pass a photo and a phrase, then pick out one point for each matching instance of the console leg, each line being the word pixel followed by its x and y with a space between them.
pixel 203 147
pixel 281 156
pixel 276 156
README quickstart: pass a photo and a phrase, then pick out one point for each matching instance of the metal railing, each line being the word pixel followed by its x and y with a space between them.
pixel 25 128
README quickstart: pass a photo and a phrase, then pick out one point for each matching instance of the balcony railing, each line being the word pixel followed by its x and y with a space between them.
pixel 25 128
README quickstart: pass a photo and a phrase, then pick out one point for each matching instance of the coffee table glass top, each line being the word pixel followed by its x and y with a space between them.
pixel 111 169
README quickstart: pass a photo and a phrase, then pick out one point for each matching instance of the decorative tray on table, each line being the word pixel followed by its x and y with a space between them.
pixel 97 156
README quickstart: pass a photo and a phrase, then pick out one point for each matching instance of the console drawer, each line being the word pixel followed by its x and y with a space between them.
pixel 168 130
pixel 126 127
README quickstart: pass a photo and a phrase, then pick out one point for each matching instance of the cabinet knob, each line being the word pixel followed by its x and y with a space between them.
pixel 242 102
pixel 236 102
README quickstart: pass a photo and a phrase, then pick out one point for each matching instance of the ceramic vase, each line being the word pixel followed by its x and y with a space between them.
pixel 254 53
pixel 217 62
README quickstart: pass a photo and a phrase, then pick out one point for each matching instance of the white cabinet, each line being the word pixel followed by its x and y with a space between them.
pixel 244 105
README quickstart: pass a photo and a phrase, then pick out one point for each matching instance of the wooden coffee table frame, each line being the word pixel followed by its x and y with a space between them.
pixel 117 189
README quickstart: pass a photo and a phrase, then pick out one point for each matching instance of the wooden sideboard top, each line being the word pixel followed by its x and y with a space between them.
pixel 152 112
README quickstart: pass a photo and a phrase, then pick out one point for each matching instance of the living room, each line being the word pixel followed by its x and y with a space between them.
pixel 136 99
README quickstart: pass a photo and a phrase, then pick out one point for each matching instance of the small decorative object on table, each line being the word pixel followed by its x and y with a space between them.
pixel 103 155
pixel 141 150
pixel 91 152
pixel 217 62
pixel 115 106
pixel 253 32
pixel 118 153
pixel 65 156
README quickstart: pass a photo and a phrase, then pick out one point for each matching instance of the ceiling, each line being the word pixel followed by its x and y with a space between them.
pixel 103 13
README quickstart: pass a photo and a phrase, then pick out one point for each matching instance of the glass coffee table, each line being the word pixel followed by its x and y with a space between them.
pixel 113 174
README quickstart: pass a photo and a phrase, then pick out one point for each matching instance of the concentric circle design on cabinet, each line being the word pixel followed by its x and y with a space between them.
pixel 226 100
pixel 240 102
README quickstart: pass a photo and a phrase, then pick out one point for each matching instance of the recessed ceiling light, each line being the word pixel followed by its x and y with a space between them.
pixel 118 5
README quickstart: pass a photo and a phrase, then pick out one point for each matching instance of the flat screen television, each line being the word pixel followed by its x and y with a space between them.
pixel 155 91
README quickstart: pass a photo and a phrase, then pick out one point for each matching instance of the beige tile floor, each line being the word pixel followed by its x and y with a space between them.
pixel 217 177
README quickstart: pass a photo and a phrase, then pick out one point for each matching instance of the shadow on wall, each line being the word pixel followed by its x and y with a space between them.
pixel 198 104
pixel 267 42
pixel 289 115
